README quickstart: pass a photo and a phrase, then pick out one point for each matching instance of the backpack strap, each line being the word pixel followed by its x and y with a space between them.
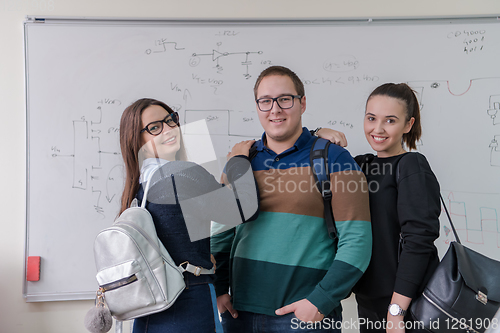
pixel 195 270
pixel 146 189
pixel 319 166
pixel 148 181
pixel 253 151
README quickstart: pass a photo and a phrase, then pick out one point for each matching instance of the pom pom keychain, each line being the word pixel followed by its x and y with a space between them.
pixel 98 319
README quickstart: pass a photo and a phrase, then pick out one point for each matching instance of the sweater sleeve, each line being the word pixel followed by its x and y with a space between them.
pixel 242 182
pixel 239 174
pixel 220 247
pixel 418 212
pixel 352 219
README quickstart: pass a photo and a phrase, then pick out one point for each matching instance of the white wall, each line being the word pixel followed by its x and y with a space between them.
pixel 15 314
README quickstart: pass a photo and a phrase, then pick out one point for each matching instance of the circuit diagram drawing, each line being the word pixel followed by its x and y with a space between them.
pixel 476 224
pixel 227 122
pixel 495 151
pixel 494 109
pixel 217 55
pixel 225 127
pixel 494 113
pixel 90 155
pixel 470 88
pixel 163 45
pixel 474 212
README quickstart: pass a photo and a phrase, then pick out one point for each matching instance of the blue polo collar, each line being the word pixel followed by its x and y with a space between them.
pixel 300 143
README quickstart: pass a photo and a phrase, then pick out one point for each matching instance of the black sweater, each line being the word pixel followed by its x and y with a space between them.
pixel 404 200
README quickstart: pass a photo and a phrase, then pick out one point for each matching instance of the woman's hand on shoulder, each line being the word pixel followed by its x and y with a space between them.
pixel 334 136
pixel 241 148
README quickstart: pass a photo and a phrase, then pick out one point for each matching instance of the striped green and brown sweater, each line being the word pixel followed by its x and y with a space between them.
pixel 286 255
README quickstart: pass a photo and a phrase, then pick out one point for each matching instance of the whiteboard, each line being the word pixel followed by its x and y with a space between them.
pixel 82 73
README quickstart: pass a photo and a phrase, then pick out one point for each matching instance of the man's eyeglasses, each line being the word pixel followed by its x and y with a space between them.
pixel 285 102
pixel 156 127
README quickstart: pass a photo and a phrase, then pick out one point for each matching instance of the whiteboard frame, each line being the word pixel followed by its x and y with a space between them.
pixel 270 21
pixel 103 21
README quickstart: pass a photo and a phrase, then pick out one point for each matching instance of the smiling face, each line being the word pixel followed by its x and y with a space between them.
pixel 282 126
pixel 385 123
pixel 167 143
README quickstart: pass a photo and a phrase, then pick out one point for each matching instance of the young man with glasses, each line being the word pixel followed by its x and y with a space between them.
pixel 283 270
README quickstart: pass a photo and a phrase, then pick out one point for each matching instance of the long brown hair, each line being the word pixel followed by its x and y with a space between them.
pixel 404 93
pixel 131 143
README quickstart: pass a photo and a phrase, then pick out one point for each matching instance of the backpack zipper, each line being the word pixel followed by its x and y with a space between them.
pixel 120 283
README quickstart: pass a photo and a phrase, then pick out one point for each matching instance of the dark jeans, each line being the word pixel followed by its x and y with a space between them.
pixel 248 322
pixel 194 311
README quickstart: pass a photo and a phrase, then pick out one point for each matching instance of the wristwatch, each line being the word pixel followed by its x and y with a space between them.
pixel 395 310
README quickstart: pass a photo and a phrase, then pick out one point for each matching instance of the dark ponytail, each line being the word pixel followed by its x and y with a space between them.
pixel 404 93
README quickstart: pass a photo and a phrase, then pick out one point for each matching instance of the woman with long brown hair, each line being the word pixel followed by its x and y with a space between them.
pixel 183 199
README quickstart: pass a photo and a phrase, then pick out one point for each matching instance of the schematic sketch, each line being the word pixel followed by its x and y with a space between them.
pixel 479 226
pixel 446 230
pixel 495 152
pixel 163 45
pixel 89 157
pixel 494 109
pixel 228 122
pixel 216 55
pixel 466 96
pixel 217 120
pixel 225 127
pixel 80 136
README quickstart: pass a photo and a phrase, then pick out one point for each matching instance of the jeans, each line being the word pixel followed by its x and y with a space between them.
pixel 194 311
pixel 248 322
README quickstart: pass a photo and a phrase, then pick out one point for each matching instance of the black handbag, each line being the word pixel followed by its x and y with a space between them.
pixel 463 294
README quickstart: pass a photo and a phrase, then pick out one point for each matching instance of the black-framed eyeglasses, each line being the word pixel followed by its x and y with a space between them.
pixel 156 127
pixel 285 102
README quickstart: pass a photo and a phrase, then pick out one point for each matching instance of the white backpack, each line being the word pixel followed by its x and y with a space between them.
pixel 136 274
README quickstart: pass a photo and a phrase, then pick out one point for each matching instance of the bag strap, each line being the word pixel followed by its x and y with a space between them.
pixel 146 189
pixel 319 166
pixel 253 151
pixel 148 181
pixel 449 218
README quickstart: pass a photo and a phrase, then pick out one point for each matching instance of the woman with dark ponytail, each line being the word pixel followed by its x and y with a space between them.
pixel 404 207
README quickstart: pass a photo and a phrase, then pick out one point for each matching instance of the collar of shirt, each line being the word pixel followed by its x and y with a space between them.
pixel 301 142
